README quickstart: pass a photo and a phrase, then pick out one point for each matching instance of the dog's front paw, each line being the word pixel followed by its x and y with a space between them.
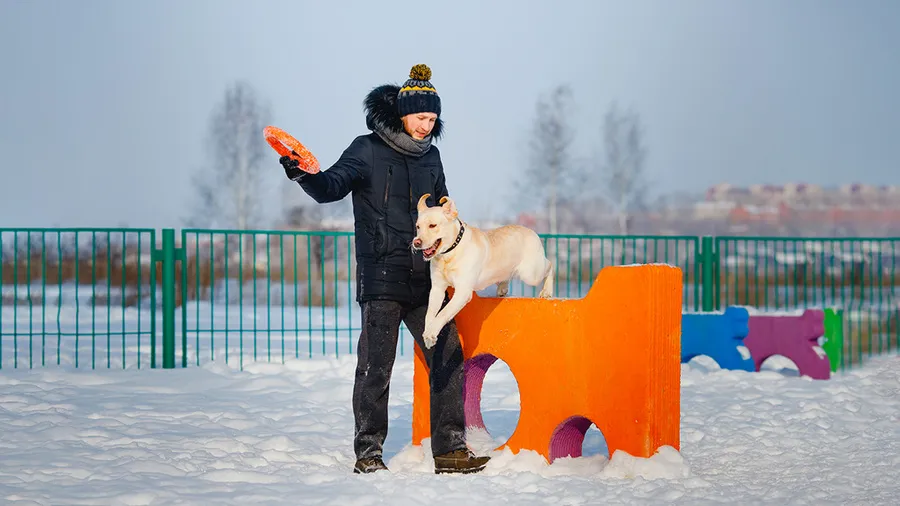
pixel 430 336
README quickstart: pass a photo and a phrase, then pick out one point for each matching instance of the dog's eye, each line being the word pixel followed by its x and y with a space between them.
pixel 432 225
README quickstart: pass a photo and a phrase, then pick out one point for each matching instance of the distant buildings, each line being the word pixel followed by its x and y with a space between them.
pixel 801 207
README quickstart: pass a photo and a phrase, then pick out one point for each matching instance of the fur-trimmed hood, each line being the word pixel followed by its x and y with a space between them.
pixel 381 111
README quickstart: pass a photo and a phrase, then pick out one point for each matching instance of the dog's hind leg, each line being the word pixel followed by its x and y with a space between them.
pixel 539 273
pixel 547 289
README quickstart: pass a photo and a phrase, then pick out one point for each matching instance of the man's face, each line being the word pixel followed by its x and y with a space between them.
pixel 419 125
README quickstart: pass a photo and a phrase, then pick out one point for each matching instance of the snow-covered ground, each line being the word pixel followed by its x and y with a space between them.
pixel 281 434
pixel 252 432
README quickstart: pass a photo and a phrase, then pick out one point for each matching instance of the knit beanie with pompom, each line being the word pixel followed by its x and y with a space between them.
pixel 418 94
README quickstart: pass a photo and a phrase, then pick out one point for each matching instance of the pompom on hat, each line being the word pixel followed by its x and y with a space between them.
pixel 418 94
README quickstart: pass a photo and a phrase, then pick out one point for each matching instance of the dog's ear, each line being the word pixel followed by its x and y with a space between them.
pixel 449 207
pixel 421 206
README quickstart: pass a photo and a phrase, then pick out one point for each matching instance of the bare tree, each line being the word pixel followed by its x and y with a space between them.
pixel 550 173
pixel 230 192
pixel 622 167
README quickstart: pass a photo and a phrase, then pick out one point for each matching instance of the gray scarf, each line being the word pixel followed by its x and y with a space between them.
pixel 403 142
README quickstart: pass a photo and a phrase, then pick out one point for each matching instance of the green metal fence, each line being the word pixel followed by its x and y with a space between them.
pixel 268 295
pixel 79 296
pixel 274 295
pixel 858 276
pixel 89 296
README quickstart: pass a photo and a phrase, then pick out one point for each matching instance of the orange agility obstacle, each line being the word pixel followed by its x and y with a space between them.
pixel 612 359
pixel 285 145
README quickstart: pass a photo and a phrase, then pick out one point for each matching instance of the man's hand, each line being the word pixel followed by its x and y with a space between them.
pixel 292 168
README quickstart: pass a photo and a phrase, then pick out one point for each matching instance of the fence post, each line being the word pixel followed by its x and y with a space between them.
pixel 707 259
pixel 168 297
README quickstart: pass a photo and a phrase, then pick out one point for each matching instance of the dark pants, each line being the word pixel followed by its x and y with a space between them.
pixel 375 361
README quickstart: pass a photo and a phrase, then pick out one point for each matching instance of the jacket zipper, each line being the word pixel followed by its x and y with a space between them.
pixel 387 188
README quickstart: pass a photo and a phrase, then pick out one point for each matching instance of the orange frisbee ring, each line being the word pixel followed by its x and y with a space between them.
pixel 286 145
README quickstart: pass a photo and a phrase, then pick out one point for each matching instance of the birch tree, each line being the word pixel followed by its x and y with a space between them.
pixel 231 190
pixel 549 175
pixel 622 167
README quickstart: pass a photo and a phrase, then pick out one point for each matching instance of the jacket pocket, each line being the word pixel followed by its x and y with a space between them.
pixel 381 240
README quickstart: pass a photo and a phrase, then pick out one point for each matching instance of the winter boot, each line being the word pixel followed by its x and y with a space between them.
pixel 459 461
pixel 369 465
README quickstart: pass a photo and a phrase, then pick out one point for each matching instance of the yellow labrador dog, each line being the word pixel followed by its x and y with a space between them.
pixel 470 259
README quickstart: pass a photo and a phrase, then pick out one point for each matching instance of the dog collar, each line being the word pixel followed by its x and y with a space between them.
pixel 462 228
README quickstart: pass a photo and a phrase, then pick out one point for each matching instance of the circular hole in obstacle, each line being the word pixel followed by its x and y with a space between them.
pixel 577 436
pixel 703 363
pixel 594 443
pixel 780 364
pixel 492 406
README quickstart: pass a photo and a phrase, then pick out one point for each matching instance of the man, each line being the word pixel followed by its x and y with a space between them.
pixel 387 171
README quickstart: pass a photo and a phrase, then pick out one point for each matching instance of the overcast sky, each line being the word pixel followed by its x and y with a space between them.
pixel 115 96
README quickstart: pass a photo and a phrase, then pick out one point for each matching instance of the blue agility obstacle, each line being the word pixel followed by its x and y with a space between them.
pixel 717 335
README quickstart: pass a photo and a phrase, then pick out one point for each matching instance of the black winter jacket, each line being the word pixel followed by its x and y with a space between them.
pixel 386 186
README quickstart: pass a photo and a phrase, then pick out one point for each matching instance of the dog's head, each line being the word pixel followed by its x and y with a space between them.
pixel 435 226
